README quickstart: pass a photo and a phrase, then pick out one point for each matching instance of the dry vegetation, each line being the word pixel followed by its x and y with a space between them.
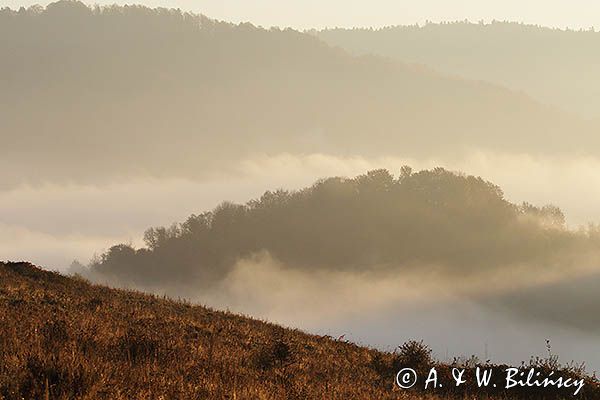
pixel 62 338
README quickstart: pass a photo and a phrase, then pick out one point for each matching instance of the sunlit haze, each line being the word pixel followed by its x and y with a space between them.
pixel 304 14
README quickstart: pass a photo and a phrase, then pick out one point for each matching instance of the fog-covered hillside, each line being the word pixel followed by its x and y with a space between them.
pixel 554 66
pixel 94 94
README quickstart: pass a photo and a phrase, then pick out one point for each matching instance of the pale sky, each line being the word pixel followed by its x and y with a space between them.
pixel 347 13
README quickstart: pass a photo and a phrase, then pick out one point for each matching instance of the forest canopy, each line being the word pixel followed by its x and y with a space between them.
pixel 451 221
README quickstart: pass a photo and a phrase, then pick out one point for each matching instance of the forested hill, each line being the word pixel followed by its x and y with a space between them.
pixel 555 66
pixel 94 93
pixel 459 224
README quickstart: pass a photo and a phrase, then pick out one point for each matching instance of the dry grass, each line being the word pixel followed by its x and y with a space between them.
pixel 63 338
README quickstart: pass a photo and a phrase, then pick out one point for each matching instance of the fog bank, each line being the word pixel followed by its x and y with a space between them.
pixel 54 224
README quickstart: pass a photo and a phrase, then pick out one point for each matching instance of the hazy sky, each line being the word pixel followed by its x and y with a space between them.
pixel 347 13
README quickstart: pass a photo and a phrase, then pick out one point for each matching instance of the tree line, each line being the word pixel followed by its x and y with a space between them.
pixel 433 217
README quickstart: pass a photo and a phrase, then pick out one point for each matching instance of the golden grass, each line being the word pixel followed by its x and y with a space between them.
pixel 63 338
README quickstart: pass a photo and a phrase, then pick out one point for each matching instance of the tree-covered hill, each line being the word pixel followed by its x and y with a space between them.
pixel 94 94
pixel 555 66
pixel 432 218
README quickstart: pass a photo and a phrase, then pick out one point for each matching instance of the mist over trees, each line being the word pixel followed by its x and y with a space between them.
pixel 555 66
pixel 111 115
pixel 571 302
pixel 433 218
pixel 97 94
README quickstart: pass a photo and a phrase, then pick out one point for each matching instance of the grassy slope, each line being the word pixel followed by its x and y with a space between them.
pixel 93 342
pixel 62 338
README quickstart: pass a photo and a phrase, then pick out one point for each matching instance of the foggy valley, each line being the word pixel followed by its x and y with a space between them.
pixel 438 181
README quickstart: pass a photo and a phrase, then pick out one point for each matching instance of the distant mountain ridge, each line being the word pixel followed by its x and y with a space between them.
pixel 91 94
pixel 554 66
